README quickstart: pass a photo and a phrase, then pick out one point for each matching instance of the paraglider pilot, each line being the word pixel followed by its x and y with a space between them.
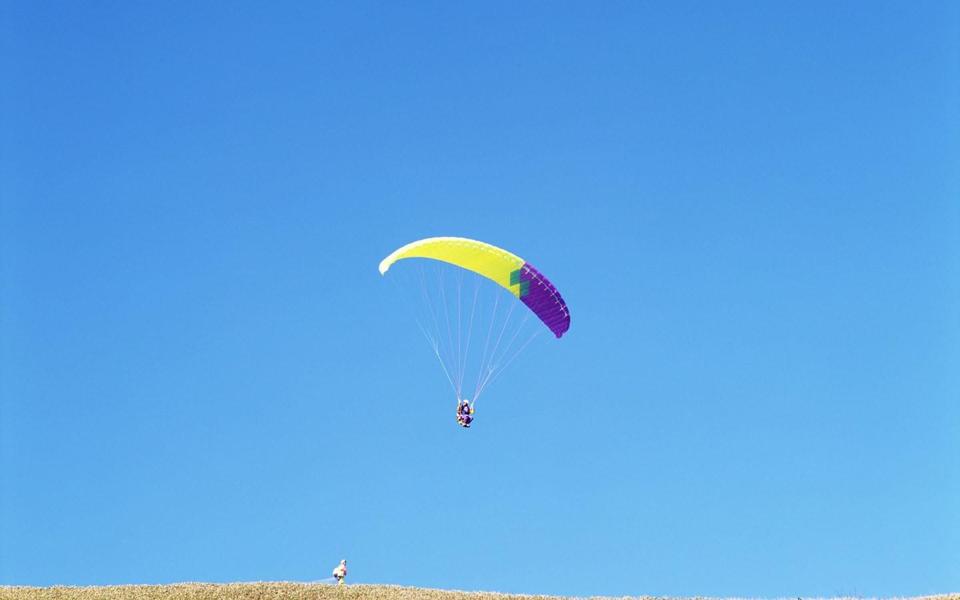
pixel 464 413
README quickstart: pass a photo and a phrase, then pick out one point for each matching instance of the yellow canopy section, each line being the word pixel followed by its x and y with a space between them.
pixel 493 263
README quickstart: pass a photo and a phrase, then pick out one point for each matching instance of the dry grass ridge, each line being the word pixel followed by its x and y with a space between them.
pixel 277 591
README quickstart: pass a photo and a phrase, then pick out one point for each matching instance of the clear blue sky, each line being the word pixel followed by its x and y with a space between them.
pixel 753 210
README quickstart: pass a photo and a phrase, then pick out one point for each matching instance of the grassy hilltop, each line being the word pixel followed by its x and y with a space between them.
pixel 271 591
pixel 249 591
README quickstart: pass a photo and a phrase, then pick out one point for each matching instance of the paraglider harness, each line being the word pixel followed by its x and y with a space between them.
pixel 464 413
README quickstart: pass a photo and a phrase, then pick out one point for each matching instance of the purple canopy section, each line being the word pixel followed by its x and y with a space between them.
pixel 542 297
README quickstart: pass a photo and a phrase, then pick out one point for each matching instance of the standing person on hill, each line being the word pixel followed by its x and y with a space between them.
pixel 340 572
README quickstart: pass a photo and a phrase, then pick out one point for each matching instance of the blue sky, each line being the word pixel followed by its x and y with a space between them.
pixel 751 209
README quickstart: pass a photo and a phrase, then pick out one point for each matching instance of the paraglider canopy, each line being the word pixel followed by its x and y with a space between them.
pixel 434 292
pixel 507 269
